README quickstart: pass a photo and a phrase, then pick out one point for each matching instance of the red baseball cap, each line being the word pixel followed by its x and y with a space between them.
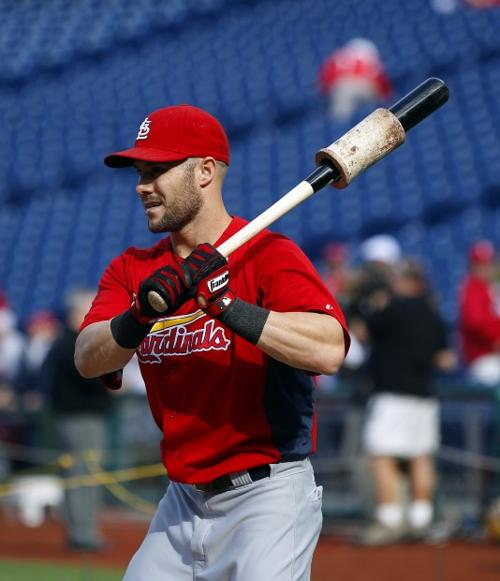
pixel 482 252
pixel 175 133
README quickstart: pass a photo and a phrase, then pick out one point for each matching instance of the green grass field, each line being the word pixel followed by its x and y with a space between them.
pixel 15 571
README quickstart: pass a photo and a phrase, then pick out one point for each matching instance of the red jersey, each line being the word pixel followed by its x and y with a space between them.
pixel 479 321
pixel 349 63
pixel 222 404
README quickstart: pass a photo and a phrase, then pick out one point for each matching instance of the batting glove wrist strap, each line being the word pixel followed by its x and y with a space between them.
pixel 219 303
pixel 128 331
pixel 209 273
pixel 245 320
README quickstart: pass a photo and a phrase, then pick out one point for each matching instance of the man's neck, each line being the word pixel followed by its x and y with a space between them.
pixel 204 228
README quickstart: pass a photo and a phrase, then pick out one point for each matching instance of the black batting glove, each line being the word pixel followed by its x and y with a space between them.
pixel 209 273
pixel 203 275
pixel 171 283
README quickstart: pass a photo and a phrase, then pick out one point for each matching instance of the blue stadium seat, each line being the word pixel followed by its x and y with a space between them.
pixel 78 78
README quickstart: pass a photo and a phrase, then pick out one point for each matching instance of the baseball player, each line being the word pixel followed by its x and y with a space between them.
pixel 227 365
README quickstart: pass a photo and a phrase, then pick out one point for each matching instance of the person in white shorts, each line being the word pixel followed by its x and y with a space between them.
pixel 408 340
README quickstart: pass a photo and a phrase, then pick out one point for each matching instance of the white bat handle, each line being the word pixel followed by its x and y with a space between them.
pixel 293 198
pixel 365 144
pixel 286 203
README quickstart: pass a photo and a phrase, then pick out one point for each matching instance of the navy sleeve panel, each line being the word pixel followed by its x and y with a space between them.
pixel 289 406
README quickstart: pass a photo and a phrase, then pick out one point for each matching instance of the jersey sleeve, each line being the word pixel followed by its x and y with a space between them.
pixel 114 294
pixel 288 282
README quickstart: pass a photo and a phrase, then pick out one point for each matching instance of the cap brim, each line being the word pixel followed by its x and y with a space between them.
pixel 126 157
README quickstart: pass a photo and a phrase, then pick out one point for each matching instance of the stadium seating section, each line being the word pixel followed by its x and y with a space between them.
pixel 77 78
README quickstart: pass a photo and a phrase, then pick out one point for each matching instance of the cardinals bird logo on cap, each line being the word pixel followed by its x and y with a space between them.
pixel 144 129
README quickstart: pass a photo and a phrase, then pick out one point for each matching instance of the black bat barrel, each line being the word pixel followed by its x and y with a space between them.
pixel 409 110
pixel 420 103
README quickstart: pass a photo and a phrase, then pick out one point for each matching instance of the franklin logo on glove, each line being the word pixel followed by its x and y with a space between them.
pixel 218 281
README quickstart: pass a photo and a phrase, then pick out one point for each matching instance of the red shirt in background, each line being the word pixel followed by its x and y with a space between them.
pixel 479 323
pixel 357 60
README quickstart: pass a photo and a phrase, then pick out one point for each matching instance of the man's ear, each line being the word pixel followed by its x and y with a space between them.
pixel 207 171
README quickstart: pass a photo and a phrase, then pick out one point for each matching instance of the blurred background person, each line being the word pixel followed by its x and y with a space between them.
pixel 80 408
pixel 41 330
pixel 483 3
pixel 11 350
pixel 408 342
pixel 336 271
pixel 380 256
pixel 479 316
pixel 353 75
pixel 136 435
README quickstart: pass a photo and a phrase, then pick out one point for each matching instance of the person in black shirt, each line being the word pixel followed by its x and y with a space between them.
pixel 408 340
pixel 80 407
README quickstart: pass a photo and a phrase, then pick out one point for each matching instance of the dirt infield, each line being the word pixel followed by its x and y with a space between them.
pixel 335 560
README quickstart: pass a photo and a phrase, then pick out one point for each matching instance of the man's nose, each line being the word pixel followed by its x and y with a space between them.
pixel 144 188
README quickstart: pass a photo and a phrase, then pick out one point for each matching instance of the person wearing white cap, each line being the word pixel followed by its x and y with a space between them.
pixel 408 342
pixel 381 248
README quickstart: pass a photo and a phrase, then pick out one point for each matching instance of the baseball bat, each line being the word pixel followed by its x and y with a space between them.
pixel 366 143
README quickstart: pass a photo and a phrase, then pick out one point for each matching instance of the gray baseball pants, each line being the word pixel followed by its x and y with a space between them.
pixel 266 530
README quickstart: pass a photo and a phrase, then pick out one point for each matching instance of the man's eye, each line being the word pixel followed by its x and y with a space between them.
pixel 156 171
pixel 150 173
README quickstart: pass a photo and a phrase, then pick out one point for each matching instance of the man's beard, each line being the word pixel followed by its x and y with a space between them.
pixel 183 210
